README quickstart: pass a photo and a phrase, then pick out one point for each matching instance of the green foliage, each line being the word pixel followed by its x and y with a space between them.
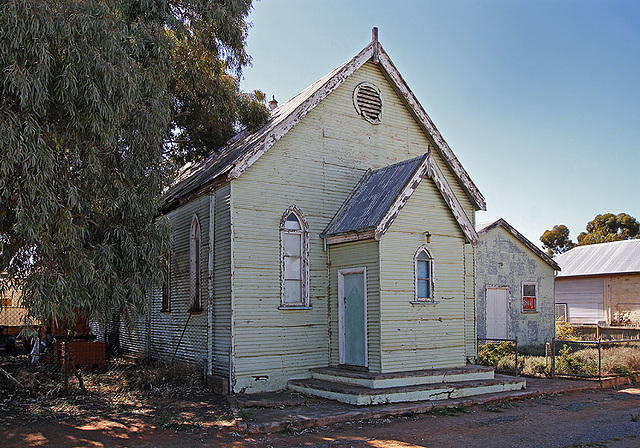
pixel 84 103
pixel 494 355
pixel 565 331
pixel 609 227
pixel 602 229
pixel 571 364
pixel 557 241
pixel 208 107
pixel 92 95
pixel 536 366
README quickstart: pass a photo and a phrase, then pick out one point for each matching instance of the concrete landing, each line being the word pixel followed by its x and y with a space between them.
pixel 364 388
pixel 364 396
pixel 287 411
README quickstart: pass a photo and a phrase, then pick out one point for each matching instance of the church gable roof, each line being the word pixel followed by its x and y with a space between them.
pixel 246 148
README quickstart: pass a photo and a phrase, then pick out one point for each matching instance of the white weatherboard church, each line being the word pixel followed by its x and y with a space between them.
pixel 331 251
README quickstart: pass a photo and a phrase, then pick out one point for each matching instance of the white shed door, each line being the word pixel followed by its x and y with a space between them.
pixel 497 313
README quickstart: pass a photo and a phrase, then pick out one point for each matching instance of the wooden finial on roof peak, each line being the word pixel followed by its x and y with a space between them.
pixel 374 40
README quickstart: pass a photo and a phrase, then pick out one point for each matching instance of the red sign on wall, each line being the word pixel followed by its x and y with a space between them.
pixel 528 303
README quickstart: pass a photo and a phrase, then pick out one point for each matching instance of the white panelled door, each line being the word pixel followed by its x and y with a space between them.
pixel 497 313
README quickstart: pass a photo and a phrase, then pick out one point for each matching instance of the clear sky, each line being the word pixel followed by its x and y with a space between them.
pixel 539 100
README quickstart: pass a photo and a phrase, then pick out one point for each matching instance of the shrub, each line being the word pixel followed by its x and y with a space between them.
pixel 500 357
pixel 565 331
pixel 535 366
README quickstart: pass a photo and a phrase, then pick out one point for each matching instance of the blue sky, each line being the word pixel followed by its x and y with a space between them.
pixel 540 100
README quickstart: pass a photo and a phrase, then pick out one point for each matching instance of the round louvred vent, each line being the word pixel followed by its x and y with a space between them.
pixel 367 100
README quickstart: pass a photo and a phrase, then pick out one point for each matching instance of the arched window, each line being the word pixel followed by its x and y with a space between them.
pixel 194 265
pixel 424 275
pixel 294 258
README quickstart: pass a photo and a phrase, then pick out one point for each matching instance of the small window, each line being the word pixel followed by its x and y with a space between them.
pixel 529 297
pixel 166 284
pixel 294 259
pixel 424 275
pixel 561 312
pixel 194 265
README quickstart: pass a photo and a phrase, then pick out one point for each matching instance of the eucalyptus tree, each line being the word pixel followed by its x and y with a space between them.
pixel 603 228
pixel 99 99
pixel 556 240
pixel 609 227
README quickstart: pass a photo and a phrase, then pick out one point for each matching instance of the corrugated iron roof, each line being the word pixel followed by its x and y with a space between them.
pixel 372 197
pixel 485 227
pixel 617 257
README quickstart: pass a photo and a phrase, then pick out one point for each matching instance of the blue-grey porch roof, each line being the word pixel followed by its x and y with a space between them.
pixel 372 198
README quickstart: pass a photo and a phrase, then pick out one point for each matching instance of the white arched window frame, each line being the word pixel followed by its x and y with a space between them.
pixel 195 239
pixel 423 264
pixel 294 259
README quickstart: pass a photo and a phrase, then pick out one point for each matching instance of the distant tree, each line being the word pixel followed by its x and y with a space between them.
pixel 610 227
pixel 556 241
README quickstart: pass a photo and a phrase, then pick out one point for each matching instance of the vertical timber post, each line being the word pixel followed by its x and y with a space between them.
pixel 374 39
pixel 553 357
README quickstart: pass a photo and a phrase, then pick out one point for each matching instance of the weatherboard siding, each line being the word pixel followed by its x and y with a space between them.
pixel 221 280
pixel 167 327
pixel 470 316
pixel 429 335
pixel 357 254
pixel 314 166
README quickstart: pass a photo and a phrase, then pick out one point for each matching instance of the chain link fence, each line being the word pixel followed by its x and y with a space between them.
pixel 595 359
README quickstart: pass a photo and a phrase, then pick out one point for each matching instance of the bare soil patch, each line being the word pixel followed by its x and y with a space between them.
pixel 165 406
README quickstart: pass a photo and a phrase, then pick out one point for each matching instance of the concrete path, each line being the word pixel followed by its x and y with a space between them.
pixel 283 411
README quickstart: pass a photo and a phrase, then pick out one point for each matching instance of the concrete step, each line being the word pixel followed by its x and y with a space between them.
pixel 398 379
pixel 363 396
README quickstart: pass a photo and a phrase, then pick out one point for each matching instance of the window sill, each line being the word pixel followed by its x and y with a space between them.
pixel 423 302
pixel 295 307
pixel 529 311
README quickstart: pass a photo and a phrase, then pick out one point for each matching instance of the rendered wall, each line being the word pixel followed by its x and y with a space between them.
pixel 502 260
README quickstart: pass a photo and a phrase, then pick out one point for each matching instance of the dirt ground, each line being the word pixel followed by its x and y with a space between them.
pixel 595 418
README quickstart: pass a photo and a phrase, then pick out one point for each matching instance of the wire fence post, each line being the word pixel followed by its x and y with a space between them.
pixel 553 357
pixel 599 360
pixel 516 348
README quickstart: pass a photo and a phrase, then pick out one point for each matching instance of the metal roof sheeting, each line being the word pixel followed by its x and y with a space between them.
pixel 617 257
pixel 372 197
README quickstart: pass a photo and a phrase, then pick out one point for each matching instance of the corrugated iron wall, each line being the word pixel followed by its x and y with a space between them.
pixel 425 335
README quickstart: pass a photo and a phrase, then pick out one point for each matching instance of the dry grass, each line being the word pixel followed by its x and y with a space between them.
pixel 170 394
pixel 619 359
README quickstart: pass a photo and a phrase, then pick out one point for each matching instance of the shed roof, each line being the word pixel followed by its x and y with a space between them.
pixel 618 257
pixel 245 148
pixel 486 227
pixel 377 199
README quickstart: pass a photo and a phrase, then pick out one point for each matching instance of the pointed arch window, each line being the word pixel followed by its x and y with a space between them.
pixel 294 259
pixel 194 265
pixel 424 275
